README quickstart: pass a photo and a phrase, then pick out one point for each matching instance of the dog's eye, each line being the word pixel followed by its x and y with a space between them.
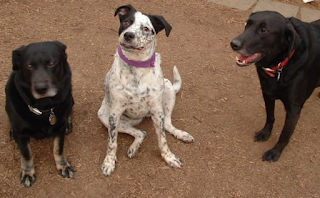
pixel 126 23
pixel 146 29
pixel 263 30
pixel 29 67
pixel 51 64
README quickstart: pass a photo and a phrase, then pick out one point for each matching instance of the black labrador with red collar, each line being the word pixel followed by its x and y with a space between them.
pixel 39 102
pixel 286 52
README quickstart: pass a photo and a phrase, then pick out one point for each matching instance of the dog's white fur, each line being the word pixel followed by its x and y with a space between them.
pixel 133 93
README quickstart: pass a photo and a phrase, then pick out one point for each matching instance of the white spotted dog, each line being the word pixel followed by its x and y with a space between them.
pixel 135 88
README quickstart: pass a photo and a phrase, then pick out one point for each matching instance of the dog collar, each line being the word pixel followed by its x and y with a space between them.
pixel 278 68
pixel 141 64
pixel 52 116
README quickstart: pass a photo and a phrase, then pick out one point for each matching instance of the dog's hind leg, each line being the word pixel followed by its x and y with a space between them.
pixel 169 98
pixel 126 126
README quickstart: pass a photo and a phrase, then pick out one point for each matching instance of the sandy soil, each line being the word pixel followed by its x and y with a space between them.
pixel 220 105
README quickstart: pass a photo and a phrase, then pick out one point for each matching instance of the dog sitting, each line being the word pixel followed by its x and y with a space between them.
pixel 286 52
pixel 39 103
pixel 135 88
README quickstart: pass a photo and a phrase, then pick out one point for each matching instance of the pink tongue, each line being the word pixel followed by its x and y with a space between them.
pixel 248 59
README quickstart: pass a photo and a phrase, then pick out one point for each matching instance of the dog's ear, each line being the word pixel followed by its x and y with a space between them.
pixel 16 57
pixel 159 23
pixel 63 48
pixel 123 10
pixel 291 37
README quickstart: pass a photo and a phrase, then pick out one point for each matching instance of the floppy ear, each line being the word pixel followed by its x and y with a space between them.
pixel 292 38
pixel 63 48
pixel 159 23
pixel 123 10
pixel 16 57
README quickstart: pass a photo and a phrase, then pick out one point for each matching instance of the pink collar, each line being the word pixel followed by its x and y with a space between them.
pixel 140 64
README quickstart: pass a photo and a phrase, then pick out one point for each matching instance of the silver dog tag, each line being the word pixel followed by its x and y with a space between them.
pixel 52 118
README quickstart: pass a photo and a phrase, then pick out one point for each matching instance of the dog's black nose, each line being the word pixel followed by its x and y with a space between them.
pixel 129 36
pixel 236 44
pixel 41 87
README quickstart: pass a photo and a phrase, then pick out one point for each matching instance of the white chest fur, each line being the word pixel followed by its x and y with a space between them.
pixel 138 89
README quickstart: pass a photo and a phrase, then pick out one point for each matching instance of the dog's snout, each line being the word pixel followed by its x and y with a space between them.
pixel 42 87
pixel 236 44
pixel 129 36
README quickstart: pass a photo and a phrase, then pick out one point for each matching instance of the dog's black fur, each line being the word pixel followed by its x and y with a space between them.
pixel 274 37
pixel 38 69
pixel 126 16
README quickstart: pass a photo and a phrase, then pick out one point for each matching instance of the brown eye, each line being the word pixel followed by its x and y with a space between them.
pixel 29 67
pixel 146 29
pixel 51 64
pixel 125 23
pixel 264 30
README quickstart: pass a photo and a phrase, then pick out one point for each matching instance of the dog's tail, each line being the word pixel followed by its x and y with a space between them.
pixel 176 80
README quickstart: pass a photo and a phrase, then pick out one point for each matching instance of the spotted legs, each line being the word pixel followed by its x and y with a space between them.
pixel 158 122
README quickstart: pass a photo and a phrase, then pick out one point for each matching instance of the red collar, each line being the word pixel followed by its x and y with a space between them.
pixel 278 68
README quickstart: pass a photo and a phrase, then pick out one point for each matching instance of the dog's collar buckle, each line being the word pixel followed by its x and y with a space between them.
pixel 34 110
pixel 278 68
pixel 52 116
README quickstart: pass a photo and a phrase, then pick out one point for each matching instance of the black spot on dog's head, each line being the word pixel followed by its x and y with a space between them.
pixel 126 16
pixel 42 66
pixel 159 23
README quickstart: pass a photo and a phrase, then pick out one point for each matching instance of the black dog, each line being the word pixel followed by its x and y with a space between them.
pixel 39 102
pixel 286 52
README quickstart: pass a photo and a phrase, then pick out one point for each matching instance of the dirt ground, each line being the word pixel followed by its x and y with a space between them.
pixel 220 104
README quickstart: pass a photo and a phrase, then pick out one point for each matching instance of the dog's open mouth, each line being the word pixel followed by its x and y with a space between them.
pixel 243 60
pixel 126 46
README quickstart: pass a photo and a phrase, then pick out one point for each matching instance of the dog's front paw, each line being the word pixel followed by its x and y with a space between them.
pixel 271 155
pixel 108 166
pixel 27 177
pixel 262 136
pixel 172 160
pixel 65 170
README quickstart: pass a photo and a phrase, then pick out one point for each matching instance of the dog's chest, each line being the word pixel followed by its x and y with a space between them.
pixel 137 89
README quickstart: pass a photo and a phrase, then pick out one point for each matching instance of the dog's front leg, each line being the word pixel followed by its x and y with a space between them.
pixel 109 162
pixel 27 176
pixel 292 117
pixel 62 165
pixel 264 134
pixel 167 155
